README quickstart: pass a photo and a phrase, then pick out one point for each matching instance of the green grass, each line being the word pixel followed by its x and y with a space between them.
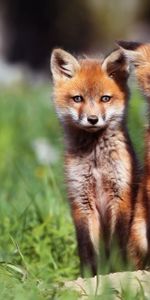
pixel 37 238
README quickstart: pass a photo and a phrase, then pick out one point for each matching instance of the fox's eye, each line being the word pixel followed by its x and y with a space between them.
pixel 77 99
pixel 105 98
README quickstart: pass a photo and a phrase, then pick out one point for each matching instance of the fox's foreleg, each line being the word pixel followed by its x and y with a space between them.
pixel 88 234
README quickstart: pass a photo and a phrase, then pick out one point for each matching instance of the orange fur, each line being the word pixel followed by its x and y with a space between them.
pixel 99 159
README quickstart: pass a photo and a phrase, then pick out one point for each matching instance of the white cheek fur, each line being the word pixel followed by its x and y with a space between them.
pixel 73 113
pixel 114 112
pixel 61 113
pixel 64 113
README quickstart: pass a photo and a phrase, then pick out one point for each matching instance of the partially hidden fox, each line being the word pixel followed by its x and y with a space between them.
pixel 91 100
pixel 139 243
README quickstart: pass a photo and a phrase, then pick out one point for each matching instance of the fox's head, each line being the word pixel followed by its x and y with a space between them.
pixel 90 94
pixel 139 55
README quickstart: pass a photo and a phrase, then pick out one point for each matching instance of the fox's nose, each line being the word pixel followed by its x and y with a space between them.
pixel 92 119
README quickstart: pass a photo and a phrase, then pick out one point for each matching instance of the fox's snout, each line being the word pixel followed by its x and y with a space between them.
pixel 92 119
pixel 87 120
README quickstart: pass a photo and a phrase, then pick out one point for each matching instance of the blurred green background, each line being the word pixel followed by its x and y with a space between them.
pixel 37 239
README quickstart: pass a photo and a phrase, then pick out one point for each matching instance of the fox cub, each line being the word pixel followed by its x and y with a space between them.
pixel 139 244
pixel 91 100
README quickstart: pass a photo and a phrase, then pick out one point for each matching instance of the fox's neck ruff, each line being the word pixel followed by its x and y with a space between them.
pixel 81 141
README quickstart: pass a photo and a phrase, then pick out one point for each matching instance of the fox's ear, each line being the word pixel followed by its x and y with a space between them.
pixel 132 51
pixel 116 64
pixel 63 64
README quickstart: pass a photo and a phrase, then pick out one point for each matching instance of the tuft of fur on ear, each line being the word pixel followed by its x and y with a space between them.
pixel 133 51
pixel 116 64
pixel 63 64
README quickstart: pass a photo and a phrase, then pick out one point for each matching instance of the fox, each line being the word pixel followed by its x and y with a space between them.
pixel 138 54
pixel 91 98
